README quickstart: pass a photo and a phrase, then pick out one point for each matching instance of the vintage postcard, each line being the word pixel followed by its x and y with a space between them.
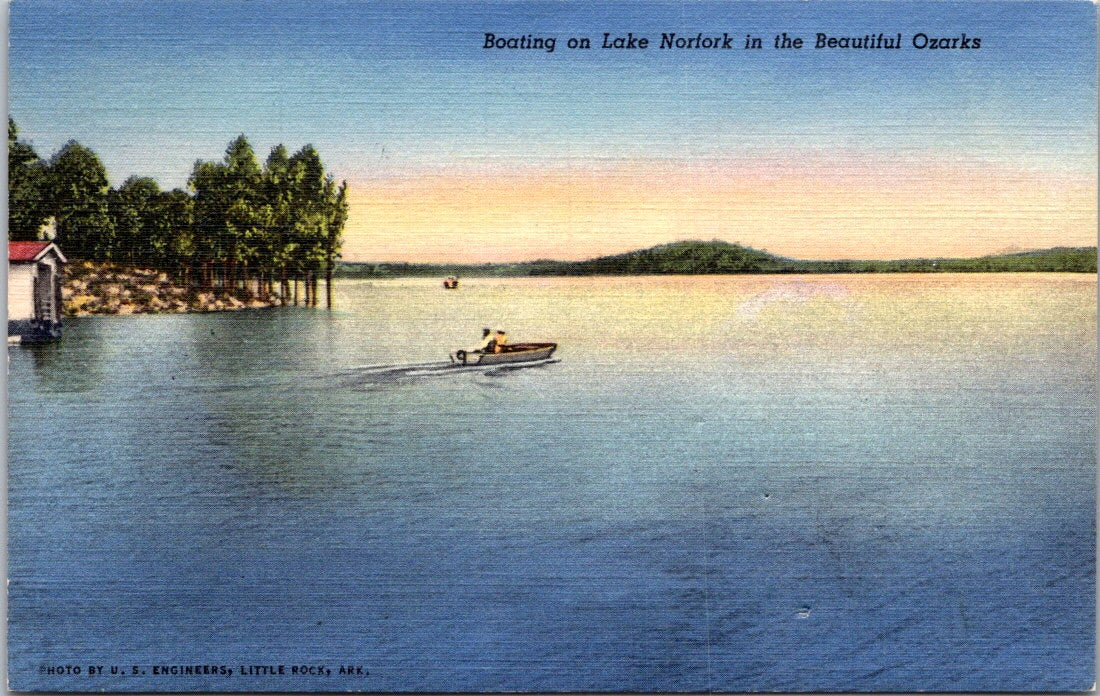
pixel 551 346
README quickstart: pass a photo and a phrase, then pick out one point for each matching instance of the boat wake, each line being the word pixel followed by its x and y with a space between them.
pixel 382 374
pixel 367 377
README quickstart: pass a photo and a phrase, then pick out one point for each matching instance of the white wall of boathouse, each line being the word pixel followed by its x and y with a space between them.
pixel 21 290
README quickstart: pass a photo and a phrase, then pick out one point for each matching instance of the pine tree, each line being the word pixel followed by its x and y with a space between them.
pixel 76 185
pixel 133 210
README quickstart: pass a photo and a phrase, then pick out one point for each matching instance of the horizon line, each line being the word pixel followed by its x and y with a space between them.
pixel 778 257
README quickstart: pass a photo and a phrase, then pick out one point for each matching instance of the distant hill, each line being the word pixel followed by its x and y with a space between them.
pixel 694 258
pixel 715 257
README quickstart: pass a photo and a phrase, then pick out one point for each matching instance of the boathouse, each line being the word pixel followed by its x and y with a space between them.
pixel 34 290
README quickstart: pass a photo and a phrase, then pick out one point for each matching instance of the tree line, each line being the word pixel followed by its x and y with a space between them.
pixel 718 257
pixel 238 225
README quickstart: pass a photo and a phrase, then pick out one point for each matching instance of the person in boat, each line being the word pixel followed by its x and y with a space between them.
pixel 488 343
pixel 499 341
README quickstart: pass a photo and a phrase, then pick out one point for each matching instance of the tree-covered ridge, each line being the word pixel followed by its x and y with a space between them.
pixel 715 257
pixel 238 225
pixel 685 258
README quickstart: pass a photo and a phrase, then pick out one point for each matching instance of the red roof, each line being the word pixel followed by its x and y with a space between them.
pixel 26 251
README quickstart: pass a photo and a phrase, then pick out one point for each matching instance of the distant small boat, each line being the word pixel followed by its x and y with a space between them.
pixel 450 283
pixel 511 353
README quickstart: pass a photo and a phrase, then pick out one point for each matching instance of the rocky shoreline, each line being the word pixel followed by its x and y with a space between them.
pixel 105 288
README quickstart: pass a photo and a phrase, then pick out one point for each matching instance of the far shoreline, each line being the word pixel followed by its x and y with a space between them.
pixel 102 288
pixel 722 258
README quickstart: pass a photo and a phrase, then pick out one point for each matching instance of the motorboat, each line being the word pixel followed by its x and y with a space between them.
pixel 506 354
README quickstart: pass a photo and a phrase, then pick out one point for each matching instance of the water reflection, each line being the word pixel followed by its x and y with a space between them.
pixel 72 365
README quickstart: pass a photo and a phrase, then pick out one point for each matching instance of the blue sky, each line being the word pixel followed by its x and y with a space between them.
pixel 153 85
pixel 399 89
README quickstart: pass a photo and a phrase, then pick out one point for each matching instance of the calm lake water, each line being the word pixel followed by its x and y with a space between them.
pixel 730 483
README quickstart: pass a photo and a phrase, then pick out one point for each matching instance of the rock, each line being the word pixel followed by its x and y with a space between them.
pixel 105 288
pixel 80 301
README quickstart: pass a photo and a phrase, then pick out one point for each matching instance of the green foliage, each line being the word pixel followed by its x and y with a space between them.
pixel 76 185
pixel 282 219
pixel 26 188
pixel 132 206
pixel 152 227
pixel 317 211
pixel 240 225
pixel 229 204
pixel 683 258
pixel 171 239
